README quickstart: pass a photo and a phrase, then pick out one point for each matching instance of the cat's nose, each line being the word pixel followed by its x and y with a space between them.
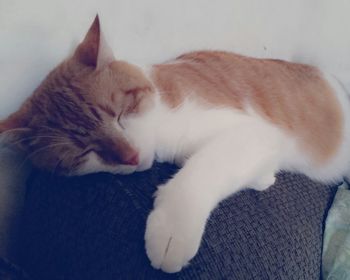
pixel 133 159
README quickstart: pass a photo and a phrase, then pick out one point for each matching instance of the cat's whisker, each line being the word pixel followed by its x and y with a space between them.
pixel 58 138
pixel 4 136
pixel 40 150
pixel 73 168
pixel 7 136
pixel 14 130
pixel 59 162
pixel 47 147
pixel 48 128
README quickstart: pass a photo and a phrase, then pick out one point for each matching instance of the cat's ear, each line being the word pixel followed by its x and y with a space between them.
pixel 94 50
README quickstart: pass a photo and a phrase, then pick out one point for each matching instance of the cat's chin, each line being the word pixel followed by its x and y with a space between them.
pixel 145 164
pixel 124 170
pixel 94 165
pixel 121 170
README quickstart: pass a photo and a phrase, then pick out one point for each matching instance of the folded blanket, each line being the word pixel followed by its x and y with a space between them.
pixel 336 250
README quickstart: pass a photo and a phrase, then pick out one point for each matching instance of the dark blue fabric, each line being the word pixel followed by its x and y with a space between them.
pixel 92 227
pixel 9 271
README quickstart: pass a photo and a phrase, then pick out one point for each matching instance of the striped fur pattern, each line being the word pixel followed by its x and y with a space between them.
pixel 230 121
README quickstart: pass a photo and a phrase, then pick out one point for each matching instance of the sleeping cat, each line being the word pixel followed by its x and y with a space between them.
pixel 230 121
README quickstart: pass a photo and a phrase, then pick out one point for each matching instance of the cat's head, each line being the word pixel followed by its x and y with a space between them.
pixel 73 122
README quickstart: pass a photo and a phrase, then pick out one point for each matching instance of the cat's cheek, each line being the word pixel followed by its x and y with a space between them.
pixel 91 165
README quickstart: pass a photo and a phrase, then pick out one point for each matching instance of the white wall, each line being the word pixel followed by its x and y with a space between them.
pixel 35 35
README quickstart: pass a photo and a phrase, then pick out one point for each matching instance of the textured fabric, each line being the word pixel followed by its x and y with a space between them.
pixel 9 271
pixel 336 242
pixel 92 228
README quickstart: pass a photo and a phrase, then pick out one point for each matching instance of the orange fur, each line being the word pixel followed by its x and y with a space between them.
pixel 75 107
pixel 293 96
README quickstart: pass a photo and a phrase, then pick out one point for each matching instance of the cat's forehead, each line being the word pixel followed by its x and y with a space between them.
pixel 66 83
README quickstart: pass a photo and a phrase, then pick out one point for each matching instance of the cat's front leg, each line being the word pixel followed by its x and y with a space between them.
pixel 175 227
pixel 183 205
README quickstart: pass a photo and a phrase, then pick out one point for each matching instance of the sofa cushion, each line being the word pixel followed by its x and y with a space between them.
pixel 9 271
pixel 92 227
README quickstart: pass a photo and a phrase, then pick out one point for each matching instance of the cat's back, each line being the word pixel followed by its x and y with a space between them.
pixel 220 77
pixel 296 97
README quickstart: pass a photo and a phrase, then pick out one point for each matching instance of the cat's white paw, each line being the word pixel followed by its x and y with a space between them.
pixel 171 241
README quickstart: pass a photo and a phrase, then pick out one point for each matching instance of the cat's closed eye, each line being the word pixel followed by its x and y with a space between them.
pixel 85 153
pixel 119 120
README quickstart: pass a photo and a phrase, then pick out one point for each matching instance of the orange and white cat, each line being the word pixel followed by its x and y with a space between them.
pixel 230 121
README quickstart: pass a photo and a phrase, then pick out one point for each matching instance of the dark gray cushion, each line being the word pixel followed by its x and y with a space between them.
pixel 92 228
pixel 9 271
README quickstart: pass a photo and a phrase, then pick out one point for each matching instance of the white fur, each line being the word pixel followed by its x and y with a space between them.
pixel 94 164
pixel 310 31
pixel 218 160
pixel 222 151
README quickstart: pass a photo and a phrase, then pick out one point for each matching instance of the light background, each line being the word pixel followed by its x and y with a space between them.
pixel 37 34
